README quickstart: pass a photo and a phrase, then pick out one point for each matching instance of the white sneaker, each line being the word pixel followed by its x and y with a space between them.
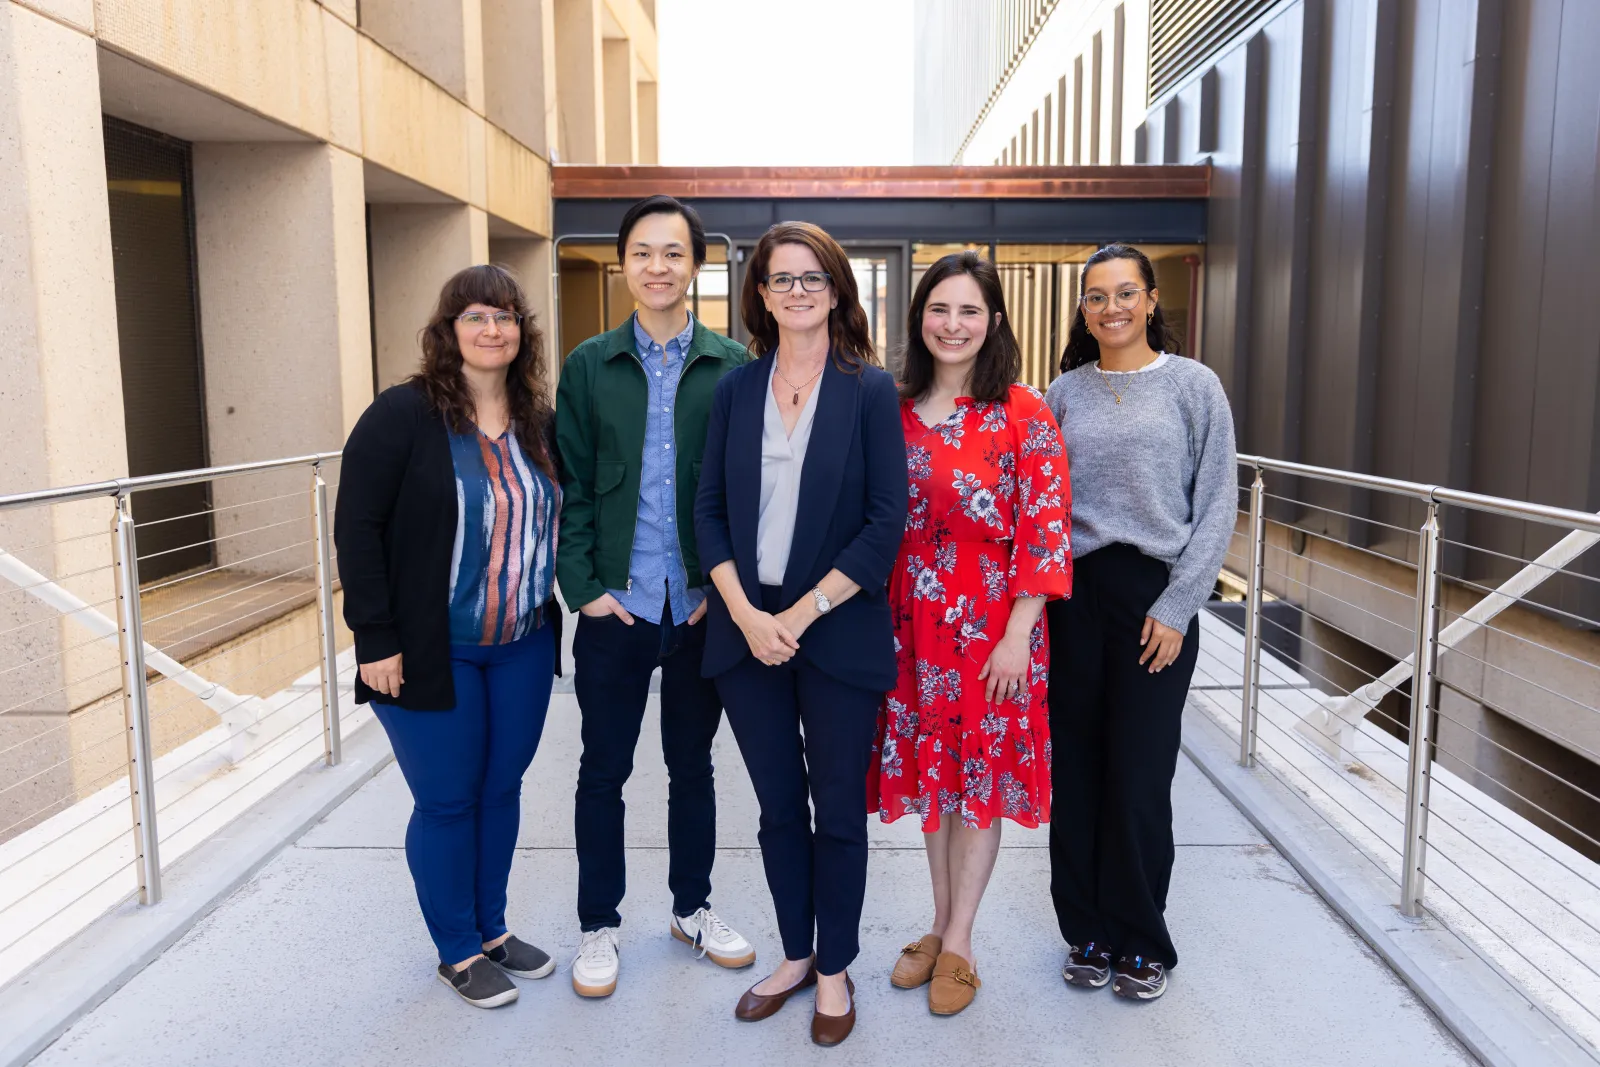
pixel 594 968
pixel 713 938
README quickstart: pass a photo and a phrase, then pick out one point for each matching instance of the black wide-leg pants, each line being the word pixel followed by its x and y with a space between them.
pixel 1114 731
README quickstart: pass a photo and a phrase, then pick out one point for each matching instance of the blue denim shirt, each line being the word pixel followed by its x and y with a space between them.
pixel 655 568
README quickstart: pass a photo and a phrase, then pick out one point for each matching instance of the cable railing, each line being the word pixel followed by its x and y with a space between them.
pixel 163 666
pixel 1433 700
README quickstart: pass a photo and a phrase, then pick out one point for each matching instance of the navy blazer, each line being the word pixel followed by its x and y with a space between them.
pixel 854 494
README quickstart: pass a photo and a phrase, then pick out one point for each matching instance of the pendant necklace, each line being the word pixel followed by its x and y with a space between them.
pixel 795 400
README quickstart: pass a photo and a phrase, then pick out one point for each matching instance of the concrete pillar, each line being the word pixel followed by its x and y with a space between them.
pixel 519 70
pixel 621 77
pixel 529 259
pixel 60 389
pixel 281 258
pixel 649 124
pixel 441 38
pixel 415 249
pixel 580 92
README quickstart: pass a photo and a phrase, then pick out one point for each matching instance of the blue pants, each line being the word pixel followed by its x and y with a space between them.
pixel 464 767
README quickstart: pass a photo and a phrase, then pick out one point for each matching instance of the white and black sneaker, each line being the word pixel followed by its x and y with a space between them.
pixel 515 956
pixel 480 983
pixel 1139 979
pixel 1089 966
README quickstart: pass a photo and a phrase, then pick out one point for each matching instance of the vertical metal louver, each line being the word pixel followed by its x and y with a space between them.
pixel 1185 33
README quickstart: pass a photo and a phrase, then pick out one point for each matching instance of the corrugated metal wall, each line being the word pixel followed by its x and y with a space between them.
pixel 1403 227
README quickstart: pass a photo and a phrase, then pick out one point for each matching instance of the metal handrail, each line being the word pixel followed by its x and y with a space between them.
pixel 1437 494
pixel 137 655
pixel 119 486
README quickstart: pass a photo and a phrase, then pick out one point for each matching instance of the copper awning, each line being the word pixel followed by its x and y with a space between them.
pixel 578 182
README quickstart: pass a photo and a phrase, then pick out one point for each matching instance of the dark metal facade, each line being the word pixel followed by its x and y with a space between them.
pixel 1401 260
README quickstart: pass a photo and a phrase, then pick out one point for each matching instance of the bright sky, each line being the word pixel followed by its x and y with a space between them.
pixel 783 83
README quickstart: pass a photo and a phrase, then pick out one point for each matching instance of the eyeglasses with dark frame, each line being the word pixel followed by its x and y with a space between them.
pixel 812 281
pixel 1126 299
pixel 477 320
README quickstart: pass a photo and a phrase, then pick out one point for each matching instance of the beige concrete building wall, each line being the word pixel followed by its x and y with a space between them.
pixel 282 271
pixel 622 101
pixel 60 387
pixel 519 64
pixel 580 104
pixel 649 124
pixel 415 249
pixel 529 259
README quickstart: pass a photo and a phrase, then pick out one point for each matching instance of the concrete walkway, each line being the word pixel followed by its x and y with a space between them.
pixel 323 959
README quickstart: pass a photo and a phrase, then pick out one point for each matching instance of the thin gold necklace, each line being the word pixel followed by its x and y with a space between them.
pixel 795 400
pixel 1104 377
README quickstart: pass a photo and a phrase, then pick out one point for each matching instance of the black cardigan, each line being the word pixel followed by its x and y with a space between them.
pixel 395 529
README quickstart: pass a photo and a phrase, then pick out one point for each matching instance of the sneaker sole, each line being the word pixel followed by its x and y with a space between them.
pixel 733 963
pixel 1140 994
pixel 546 971
pixel 489 1002
pixel 594 990
pixel 1086 982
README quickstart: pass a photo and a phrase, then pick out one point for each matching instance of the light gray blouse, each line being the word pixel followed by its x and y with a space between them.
pixel 782 457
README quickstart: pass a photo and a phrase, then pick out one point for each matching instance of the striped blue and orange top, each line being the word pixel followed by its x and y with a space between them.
pixel 503 566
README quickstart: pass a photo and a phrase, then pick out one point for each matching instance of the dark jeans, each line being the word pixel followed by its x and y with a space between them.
pixel 464 767
pixel 818 876
pixel 613 662
pixel 1114 728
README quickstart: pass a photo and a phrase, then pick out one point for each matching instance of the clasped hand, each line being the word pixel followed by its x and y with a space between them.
pixel 773 639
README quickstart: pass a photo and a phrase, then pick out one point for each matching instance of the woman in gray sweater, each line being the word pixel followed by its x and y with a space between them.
pixel 1149 440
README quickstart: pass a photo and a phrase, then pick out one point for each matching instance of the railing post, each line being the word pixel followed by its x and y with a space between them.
pixel 1420 758
pixel 1249 698
pixel 136 706
pixel 328 661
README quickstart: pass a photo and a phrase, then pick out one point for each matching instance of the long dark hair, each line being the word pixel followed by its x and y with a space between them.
pixel 848 334
pixel 527 388
pixel 1082 348
pixel 999 362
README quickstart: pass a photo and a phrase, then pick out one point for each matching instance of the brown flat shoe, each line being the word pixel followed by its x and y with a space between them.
pixel 829 1030
pixel 915 965
pixel 953 985
pixel 753 1006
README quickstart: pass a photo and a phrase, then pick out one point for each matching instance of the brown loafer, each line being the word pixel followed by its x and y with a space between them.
pixel 753 1006
pixel 915 965
pixel 829 1030
pixel 953 985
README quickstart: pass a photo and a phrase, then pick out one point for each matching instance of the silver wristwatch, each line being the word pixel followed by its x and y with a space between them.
pixel 824 605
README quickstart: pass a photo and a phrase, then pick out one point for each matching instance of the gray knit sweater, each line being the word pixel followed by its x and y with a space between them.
pixel 1156 471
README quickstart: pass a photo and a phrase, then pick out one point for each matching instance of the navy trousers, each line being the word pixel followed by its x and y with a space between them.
pixel 464 767
pixel 817 873
pixel 613 663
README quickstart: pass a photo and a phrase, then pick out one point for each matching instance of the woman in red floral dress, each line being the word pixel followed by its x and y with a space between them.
pixel 963 739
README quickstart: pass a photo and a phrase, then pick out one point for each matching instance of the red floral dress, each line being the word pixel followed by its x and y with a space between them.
pixel 990 501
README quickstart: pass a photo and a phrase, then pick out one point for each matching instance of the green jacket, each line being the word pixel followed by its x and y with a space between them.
pixel 600 435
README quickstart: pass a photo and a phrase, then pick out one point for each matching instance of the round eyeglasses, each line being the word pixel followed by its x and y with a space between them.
pixel 1126 299
pixel 477 320
pixel 812 281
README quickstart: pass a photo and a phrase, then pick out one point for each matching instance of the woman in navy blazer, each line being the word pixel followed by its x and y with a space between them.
pixel 800 511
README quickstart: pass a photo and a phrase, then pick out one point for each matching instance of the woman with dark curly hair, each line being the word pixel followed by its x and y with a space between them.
pixel 446 530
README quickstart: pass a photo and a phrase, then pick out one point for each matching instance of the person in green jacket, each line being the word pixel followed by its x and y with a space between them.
pixel 631 414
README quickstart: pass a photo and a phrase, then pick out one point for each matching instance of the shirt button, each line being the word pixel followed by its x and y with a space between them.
pixel 668 445
pixel 669 481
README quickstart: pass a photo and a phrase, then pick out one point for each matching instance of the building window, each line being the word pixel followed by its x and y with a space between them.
pixel 151 196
